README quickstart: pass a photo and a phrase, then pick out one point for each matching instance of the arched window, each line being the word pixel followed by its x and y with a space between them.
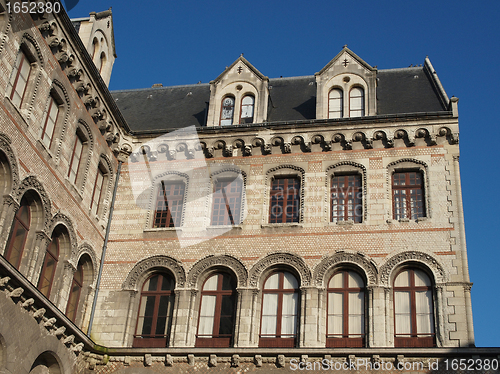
pixel 408 195
pixel 227 202
pixel 49 124
pixel 102 62
pixel 346 310
pixel 280 307
pixel 357 102
pixel 247 107
pixel 49 266
pixel 169 204
pixel 154 319
pixel 227 111
pixel 19 79
pixel 413 310
pixel 217 311
pixel 18 234
pixel 346 198
pixel 284 206
pixel 74 293
pixel 336 103
pixel 76 158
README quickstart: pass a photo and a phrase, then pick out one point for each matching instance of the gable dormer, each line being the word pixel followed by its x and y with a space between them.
pixel 239 95
pixel 346 87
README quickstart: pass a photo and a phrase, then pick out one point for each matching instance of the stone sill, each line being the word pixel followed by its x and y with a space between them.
pixel 406 220
pixel 160 229
pixel 224 227
pixel 278 225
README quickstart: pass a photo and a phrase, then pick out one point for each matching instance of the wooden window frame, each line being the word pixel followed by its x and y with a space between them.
pixel 277 341
pixel 346 341
pixel 23 59
pixel 153 340
pixel 358 201
pixel 408 187
pixel 232 213
pixel 416 340
pixel 162 197
pixel 102 186
pixel 52 101
pixel 247 119
pixel 363 108
pixel 341 102
pixel 83 141
pixel 48 256
pixel 288 197
pixel 217 340
pixel 75 282
pixel 222 110
pixel 18 223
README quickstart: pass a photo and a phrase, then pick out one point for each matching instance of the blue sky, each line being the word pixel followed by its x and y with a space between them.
pixel 184 42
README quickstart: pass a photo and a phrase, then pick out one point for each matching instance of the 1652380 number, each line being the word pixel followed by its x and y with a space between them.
pixel 33 7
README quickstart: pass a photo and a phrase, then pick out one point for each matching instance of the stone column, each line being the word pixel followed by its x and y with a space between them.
pixel 183 315
pixel 309 327
pixel 9 209
pixel 40 246
pixel 244 318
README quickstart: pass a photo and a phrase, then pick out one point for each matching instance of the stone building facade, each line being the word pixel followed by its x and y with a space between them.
pixel 248 224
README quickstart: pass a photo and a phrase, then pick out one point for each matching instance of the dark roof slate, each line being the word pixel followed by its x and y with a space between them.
pixel 164 108
pixel 292 99
pixel 407 90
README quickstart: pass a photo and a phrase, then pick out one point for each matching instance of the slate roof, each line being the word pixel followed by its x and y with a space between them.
pixel 406 90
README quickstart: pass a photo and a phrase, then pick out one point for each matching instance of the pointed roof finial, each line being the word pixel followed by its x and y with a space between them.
pixel 241 55
pixel 345 46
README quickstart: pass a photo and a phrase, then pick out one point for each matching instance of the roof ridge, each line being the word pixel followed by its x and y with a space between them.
pixel 161 88
pixel 401 69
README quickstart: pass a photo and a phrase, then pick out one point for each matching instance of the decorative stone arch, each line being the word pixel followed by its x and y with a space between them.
pixel 9 169
pixel 408 164
pixel 5 24
pixel 148 197
pixel 84 131
pixel 60 94
pixel 32 183
pixel 343 258
pixel 227 172
pixel 82 250
pixel 274 260
pixel 47 362
pixel 60 218
pixel 345 167
pixel 106 168
pixel 148 265
pixel 283 170
pixel 426 260
pixel 214 262
pixel 36 52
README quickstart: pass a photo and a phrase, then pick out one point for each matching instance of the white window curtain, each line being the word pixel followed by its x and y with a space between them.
pixel 402 312
pixel 289 314
pixel 269 314
pixel 207 315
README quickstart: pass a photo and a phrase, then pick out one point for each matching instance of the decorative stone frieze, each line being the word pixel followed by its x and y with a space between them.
pixel 154 263
pixel 277 259
pixel 217 261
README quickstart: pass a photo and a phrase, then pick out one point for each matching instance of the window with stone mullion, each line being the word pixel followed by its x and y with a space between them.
pixel 169 204
pixel 346 201
pixel 284 200
pixel 408 195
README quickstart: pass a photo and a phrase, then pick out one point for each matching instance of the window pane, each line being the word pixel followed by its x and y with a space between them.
pixel 335 104
pixel 355 280
pixel 423 304
pixel 272 282
pixel 227 305
pixel 207 313
pixel 211 283
pixel 269 314
pixel 336 281
pixel 402 311
pixel 403 279
pixel 421 279
pixel 290 282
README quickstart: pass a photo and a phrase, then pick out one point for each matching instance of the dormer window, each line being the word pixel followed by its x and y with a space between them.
pixel 247 105
pixel 357 102
pixel 336 103
pixel 227 114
